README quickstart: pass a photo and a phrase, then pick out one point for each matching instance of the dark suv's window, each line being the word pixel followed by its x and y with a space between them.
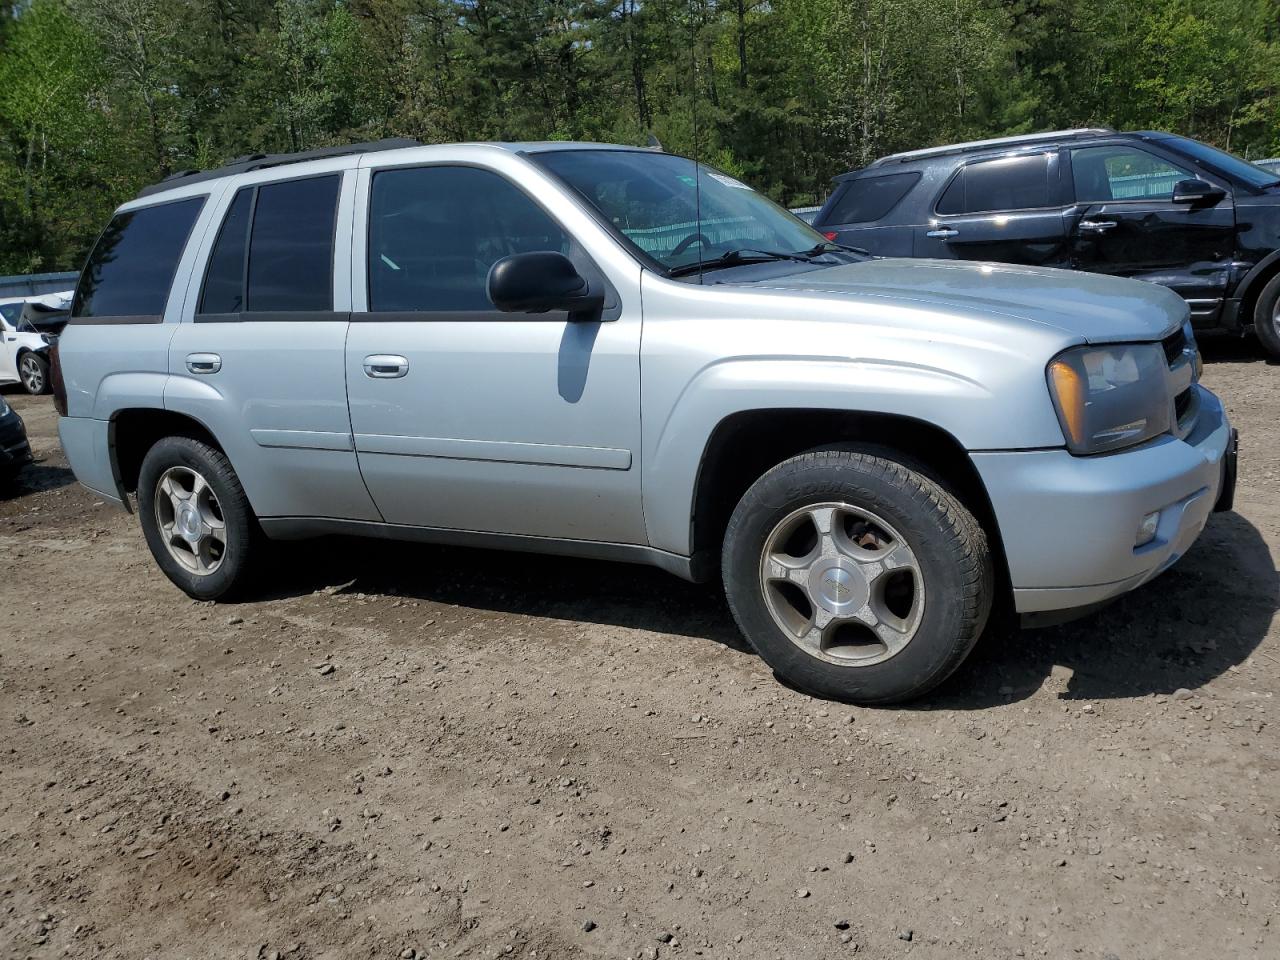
pixel 131 268
pixel 1007 183
pixel 434 232
pixel 867 199
pixel 1122 173
pixel 283 262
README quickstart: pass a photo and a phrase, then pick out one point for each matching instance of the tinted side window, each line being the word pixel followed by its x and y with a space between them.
pixel 434 232
pixel 291 245
pixel 10 312
pixel 225 278
pixel 131 268
pixel 1122 173
pixel 1009 183
pixel 870 198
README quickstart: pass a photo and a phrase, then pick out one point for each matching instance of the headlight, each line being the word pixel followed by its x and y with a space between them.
pixel 1110 397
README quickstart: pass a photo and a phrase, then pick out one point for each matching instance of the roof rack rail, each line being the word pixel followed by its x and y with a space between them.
pixel 1019 140
pixel 260 161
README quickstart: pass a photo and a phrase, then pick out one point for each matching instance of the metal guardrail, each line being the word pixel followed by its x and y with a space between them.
pixel 35 284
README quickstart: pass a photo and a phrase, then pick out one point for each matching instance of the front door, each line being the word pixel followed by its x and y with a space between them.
pixel 1005 209
pixel 1124 222
pixel 466 418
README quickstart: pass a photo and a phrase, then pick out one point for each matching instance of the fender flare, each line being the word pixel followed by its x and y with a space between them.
pixel 113 443
pixel 1254 281
pixel 674 454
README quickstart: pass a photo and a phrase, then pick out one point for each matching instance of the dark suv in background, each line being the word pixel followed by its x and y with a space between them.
pixel 1151 206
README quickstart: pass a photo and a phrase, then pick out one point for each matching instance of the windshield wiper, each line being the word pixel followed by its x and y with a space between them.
pixel 733 258
pixel 830 246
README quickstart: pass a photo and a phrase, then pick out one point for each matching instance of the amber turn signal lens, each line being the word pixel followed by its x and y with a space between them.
pixel 1069 386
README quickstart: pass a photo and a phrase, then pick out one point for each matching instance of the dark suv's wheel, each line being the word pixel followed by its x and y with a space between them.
pixel 856 577
pixel 1266 317
pixel 33 370
pixel 196 518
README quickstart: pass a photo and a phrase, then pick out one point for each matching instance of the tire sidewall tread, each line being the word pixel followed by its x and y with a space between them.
pixel 948 542
pixel 243 534
pixel 1265 323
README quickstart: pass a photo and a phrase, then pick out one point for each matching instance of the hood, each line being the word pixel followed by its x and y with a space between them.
pixel 1099 308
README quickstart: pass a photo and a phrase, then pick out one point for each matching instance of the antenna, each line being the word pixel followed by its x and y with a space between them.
pixel 697 171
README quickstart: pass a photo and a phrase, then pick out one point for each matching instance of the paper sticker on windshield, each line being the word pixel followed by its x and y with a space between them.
pixel 727 180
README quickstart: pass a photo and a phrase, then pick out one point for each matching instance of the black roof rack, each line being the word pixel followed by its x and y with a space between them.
pixel 260 161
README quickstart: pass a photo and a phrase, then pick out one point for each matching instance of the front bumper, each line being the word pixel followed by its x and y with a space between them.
pixel 1069 523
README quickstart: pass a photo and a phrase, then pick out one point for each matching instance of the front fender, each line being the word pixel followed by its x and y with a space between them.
pixel 979 416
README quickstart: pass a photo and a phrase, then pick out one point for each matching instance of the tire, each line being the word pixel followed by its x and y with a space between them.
pixel 1266 317
pixel 933 609
pixel 182 470
pixel 33 370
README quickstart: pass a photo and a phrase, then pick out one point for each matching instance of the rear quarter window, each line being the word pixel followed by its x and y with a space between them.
pixel 868 199
pixel 131 268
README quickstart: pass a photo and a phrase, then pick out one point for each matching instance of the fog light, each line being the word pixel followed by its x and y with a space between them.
pixel 1147 529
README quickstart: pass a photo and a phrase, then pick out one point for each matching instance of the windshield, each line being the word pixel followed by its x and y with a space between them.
pixel 1226 163
pixel 653 199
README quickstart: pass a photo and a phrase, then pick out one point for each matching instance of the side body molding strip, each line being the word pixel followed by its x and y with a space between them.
pixel 542 454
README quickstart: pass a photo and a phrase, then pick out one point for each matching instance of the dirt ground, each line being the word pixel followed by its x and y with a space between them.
pixel 411 751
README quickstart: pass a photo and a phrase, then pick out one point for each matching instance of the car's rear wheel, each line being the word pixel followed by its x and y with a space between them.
pixel 857 577
pixel 196 518
pixel 33 370
pixel 1266 317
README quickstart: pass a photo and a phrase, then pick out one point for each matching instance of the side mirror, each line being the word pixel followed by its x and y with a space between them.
pixel 538 282
pixel 1196 191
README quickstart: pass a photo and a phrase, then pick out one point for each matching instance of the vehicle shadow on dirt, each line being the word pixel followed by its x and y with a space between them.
pixel 36 478
pixel 1205 615
pixel 523 584
pixel 1228 348
pixel 1190 625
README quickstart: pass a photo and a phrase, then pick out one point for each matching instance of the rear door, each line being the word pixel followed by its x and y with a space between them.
pixel 259 356
pixel 1006 209
pixel 1124 222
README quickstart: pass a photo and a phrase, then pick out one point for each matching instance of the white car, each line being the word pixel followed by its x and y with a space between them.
pixel 28 326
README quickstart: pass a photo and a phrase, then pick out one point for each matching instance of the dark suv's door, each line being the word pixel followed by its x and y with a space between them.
pixel 1008 209
pixel 1126 223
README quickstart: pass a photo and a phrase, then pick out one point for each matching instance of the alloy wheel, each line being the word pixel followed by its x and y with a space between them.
pixel 191 520
pixel 842 584
pixel 32 375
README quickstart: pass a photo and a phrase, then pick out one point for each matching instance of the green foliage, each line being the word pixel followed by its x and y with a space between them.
pixel 98 97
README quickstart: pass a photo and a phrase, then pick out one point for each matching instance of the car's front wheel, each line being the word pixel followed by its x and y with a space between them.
pixel 33 370
pixel 1266 317
pixel 196 518
pixel 857 577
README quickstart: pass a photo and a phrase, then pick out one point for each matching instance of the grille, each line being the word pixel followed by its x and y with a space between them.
pixel 1182 403
pixel 1173 346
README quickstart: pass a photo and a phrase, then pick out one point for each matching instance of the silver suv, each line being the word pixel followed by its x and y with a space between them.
pixel 618 353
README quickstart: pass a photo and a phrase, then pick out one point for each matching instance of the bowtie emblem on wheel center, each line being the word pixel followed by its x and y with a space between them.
pixel 189 523
pixel 839 586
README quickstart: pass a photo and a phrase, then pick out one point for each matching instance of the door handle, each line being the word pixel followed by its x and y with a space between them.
pixel 204 362
pixel 385 366
pixel 943 233
pixel 1098 226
